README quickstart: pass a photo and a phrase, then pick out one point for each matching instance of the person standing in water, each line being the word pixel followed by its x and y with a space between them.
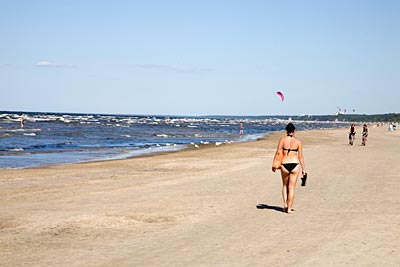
pixel 241 128
pixel 22 122
pixel 292 150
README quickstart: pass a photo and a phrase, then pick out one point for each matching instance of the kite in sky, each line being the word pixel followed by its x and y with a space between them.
pixel 279 93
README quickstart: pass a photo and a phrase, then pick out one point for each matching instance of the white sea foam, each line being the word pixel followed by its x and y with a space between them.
pixel 16 149
pixel 13 130
pixel 29 134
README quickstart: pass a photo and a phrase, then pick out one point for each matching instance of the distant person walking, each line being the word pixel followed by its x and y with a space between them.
pixel 364 134
pixel 352 134
pixel 241 129
pixel 291 150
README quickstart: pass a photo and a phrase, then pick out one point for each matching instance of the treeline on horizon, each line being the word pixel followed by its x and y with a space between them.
pixel 390 117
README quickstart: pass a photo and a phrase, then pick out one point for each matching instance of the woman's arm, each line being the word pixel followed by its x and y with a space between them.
pixel 301 158
pixel 279 149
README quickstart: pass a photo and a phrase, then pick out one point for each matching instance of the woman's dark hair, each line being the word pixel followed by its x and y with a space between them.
pixel 290 128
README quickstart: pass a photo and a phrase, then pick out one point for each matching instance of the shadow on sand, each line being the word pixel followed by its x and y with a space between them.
pixel 268 207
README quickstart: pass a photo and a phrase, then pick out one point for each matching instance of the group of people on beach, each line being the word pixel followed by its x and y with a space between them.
pixel 352 134
pixel 290 160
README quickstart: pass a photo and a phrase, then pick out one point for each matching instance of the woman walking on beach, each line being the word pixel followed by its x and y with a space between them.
pixel 352 134
pixel 364 134
pixel 291 150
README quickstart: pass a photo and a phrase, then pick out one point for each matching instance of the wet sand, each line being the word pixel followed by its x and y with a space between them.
pixel 213 206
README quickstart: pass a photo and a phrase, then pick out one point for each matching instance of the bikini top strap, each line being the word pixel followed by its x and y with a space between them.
pixel 290 144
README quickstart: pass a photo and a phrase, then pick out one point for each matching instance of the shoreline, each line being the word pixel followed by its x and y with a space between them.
pixel 214 206
pixel 141 152
pixel 55 139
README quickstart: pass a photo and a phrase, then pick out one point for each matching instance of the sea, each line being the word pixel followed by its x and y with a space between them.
pixel 58 138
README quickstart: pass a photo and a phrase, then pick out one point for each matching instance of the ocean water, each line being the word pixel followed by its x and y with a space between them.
pixel 54 138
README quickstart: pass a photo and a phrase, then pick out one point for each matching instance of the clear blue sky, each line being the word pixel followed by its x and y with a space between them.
pixel 200 57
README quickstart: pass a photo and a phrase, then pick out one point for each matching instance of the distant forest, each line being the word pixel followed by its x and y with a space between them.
pixel 390 117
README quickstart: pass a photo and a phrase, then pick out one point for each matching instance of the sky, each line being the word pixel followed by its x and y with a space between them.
pixel 200 57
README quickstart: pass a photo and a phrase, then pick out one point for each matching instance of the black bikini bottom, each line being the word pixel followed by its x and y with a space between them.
pixel 290 166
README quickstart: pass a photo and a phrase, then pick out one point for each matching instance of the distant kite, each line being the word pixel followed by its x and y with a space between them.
pixel 280 95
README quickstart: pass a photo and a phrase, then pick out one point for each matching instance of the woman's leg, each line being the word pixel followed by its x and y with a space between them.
pixel 285 180
pixel 292 180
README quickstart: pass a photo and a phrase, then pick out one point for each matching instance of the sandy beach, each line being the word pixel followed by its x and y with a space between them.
pixel 213 206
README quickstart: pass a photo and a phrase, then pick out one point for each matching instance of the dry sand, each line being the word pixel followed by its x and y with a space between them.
pixel 215 206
